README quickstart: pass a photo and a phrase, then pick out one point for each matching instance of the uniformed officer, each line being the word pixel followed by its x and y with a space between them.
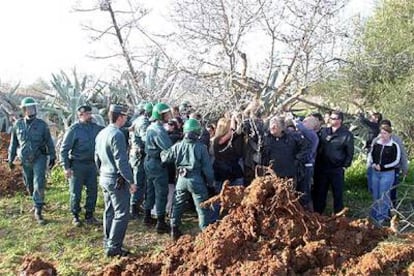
pixel 194 172
pixel 116 180
pixel 32 142
pixel 77 158
pixel 137 154
pixel 157 175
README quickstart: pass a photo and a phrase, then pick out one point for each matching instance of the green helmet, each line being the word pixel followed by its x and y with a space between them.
pixel 192 125
pixel 27 101
pixel 148 107
pixel 158 110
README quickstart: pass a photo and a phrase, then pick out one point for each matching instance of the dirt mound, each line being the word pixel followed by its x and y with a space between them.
pixel 270 233
pixel 10 181
pixel 36 267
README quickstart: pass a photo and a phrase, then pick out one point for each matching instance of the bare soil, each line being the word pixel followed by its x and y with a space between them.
pixel 34 266
pixel 267 232
pixel 10 181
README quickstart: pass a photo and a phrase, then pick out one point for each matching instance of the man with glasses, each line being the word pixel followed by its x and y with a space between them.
pixel 77 159
pixel 335 153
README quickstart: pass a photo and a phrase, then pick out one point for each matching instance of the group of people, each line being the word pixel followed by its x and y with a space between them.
pixel 166 151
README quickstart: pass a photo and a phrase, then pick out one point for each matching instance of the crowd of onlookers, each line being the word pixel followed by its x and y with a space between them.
pixel 163 159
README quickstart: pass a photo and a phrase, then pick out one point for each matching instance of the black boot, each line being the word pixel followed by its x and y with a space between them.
pixel 148 220
pixel 161 226
pixel 38 216
pixel 175 233
pixel 133 211
pixel 90 219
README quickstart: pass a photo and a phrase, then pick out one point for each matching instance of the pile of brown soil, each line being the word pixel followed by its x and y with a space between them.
pixel 10 181
pixel 36 267
pixel 268 232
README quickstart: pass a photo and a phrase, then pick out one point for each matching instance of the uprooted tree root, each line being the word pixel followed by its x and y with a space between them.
pixel 268 232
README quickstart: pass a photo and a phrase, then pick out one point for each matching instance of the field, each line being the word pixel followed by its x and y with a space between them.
pixel 265 232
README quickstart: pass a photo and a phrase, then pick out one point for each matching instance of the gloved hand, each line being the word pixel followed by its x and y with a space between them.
pixel 51 163
pixel 11 165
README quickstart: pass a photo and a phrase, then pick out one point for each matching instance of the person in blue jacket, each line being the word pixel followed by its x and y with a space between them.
pixel 32 142
pixel 195 171
pixel 116 180
pixel 77 159
pixel 157 174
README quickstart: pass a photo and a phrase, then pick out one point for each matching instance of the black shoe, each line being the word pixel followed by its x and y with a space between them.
pixel 118 253
pixel 76 221
pixel 162 227
pixel 90 219
pixel 148 220
pixel 175 233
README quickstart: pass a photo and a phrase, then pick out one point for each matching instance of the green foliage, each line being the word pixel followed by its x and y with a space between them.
pixel 379 75
pixel 355 175
pixel 356 195
pixel 70 94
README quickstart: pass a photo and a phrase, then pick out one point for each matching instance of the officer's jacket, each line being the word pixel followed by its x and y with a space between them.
pixel 192 156
pixel 111 155
pixel 30 139
pixel 336 149
pixel 140 124
pixel 79 143
pixel 156 140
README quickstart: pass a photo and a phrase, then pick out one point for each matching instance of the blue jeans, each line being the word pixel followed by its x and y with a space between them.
pixel 381 185
pixel 369 178
pixel 215 214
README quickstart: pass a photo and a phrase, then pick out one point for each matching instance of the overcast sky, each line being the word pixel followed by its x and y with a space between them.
pixel 41 37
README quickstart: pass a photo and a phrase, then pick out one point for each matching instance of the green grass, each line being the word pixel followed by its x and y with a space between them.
pixel 73 250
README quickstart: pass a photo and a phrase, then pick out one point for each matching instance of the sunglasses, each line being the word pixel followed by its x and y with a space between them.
pixel 332 118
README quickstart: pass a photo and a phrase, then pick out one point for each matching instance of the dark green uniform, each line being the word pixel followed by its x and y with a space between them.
pixel 157 175
pixel 32 142
pixel 77 153
pixel 195 170
pixel 112 160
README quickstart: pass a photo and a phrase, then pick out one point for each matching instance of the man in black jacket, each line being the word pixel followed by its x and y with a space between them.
pixel 285 150
pixel 335 153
